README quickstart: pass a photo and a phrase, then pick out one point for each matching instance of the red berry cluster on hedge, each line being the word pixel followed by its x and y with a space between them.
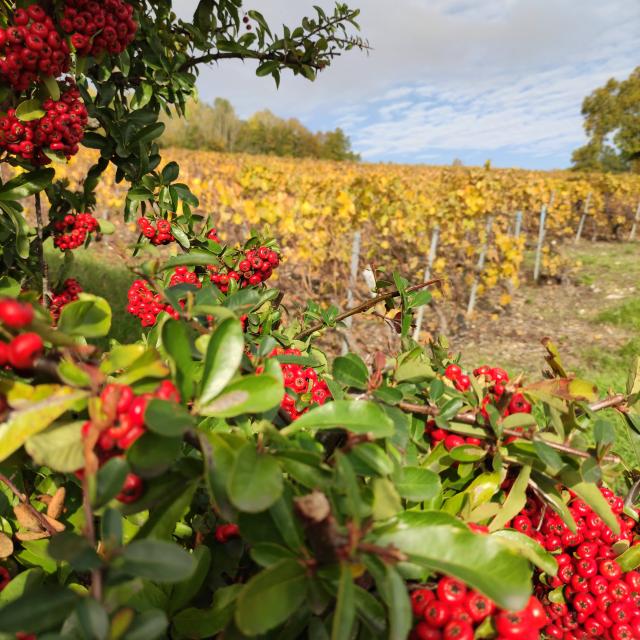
pixel 158 234
pixel 304 389
pixel 31 47
pixel 145 304
pixel 128 425
pixel 451 611
pixel 256 267
pixel 590 597
pixel 61 129
pixel 99 27
pixel 69 293
pixel 24 348
pixel 182 275
pixel 72 230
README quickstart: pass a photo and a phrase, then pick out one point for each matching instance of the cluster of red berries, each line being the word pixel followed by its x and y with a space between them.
pixel 70 290
pixel 72 230
pixel 226 532
pixel 31 47
pixel 96 27
pixel 599 600
pixel 145 304
pixel 304 388
pixel 182 275
pixel 256 267
pixel 494 379
pixel 128 425
pixel 452 611
pixel 160 234
pixel 24 348
pixel 61 129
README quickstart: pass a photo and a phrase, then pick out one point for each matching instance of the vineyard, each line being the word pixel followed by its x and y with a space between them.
pixel 314 208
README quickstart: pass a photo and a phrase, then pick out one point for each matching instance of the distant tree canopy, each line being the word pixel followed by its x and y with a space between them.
pixel 217 128
pixel 612 122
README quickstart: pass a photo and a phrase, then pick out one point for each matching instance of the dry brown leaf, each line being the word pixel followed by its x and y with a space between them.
pixel 6 546
pixel 45 498
pixel 26 517
pixel 25 536
pixel 55 524
pixel 56 505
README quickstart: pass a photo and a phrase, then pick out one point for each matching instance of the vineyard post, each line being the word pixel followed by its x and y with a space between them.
pixel 634 226
pixel 435 235
pixel 583 217
pixel 355 259
pixel 543 219
pixel 516 234
pixel 479 267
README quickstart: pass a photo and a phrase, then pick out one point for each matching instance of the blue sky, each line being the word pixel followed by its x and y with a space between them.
pixel 469 79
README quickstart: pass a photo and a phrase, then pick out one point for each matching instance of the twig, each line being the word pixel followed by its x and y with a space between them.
pixel 90 535
pixel 471 418
pixel 44 268
pixel 25 501
pixel 361 308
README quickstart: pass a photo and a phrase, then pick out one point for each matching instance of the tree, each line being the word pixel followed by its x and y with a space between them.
pixel 612 123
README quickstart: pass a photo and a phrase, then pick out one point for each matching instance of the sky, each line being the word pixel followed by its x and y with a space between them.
pixel 450 79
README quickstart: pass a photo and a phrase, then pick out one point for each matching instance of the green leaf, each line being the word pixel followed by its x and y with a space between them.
pixel 207 623
pixel 547 488
pixel 515 501
pixel 345 610
pixel 249 394
pixel 60 447
pixel 358 416
pixel 26 422
pixel 92 619
pixel 170 172
pixel 223 357
pixel 530 549
pixel 256 480
pixel 52 87
pixel 152 454
pixel 38 610
pixel 591 494
pixel 9 288
pixel 417 484
pixel 167 418
pixel 90 316
pixel 351 371
pixel 29 110
pixel 386 501
pixel 109 480
pixel 157 560
pixel 21 583
pixel 630 559
pixel 149 625
pixel 175 341
pixel 394 592
pixel 184 591
pixel 26 184
pixel 442 543
pixel 467 453
pixel 271 597
pixel 148 133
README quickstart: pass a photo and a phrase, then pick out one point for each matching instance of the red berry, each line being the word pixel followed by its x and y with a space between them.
pixel 451 590
pixel 453 372
pixel 15 314
pixel 24 350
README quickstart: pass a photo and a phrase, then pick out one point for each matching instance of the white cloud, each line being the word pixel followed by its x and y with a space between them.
pixel 452 74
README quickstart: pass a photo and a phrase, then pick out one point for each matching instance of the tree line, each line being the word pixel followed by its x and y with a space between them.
pixel 217 127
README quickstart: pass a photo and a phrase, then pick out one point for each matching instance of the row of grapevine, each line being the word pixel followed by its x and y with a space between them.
pixel 314 208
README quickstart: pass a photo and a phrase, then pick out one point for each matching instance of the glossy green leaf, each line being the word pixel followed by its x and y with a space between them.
pixel 109 480
pixel 74 549
pixel 26 422
pixel 26 184
pixel 90 316
pixel 351 371
pixel 591 494
pixel 442 543
pixel 530 549
pixel 256 480
pixel 184 591
pixel 249 394
pixel 358 416
pixel 29 110
pixel 224 353
pixel 271 597
pixel 92 619
pixel 167 418
pixel 21 583
pixel 417 484
pixel 630 559
pixel 149 625
pixel 60 447
pixel 345 609
pixel 37 610
pixel 157 560
pixel 515 501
